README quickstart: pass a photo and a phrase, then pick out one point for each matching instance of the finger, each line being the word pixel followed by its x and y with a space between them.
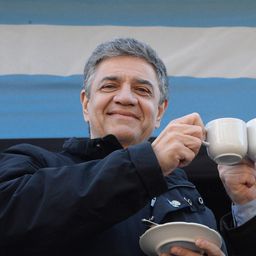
pixel 184 149
pixel 235 180
pixel 187 129
pixel 174 149
pixel 243 165
pixel 193 119
pixel 192 143
pixel 240 174
pixel 209 248
pixel 239 182
pixel 179 251
pixel 250 180
pixel 248 162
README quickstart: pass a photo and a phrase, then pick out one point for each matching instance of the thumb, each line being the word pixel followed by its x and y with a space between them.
pixel 250 182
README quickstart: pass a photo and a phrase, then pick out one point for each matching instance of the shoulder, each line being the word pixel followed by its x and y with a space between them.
pixel 27 149
pixel 23 148
pixel 32 153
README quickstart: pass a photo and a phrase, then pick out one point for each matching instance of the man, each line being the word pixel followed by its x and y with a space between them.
pixel 239 227
pixel 90 198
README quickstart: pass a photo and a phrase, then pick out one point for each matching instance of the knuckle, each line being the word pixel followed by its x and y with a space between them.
pixel 196 114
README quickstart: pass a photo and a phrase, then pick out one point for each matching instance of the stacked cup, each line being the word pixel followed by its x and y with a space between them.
pixel 251 135
pixel 229 140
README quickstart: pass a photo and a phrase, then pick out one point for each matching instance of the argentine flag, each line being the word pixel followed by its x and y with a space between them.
pixel 209 48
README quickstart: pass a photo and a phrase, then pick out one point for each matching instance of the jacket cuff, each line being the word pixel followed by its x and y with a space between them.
pixel 148 168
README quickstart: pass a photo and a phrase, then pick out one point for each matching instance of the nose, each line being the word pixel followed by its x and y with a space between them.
pixel 125 96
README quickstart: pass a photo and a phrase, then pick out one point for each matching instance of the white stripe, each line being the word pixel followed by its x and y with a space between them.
pixel 228 52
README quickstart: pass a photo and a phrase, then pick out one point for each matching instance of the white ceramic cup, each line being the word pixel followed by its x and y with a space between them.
pixel 251 135
pixel 226 140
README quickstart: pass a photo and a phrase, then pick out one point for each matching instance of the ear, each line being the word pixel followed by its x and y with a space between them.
pixel 84 101
pixel 161 109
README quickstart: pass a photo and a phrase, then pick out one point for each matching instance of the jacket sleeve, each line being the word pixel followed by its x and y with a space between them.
pixel 37 201
pixel 239 240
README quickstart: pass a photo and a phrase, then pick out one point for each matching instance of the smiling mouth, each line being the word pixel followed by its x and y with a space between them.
pixel 124 115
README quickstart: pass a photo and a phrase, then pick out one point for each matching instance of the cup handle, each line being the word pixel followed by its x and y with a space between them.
pixel 205 143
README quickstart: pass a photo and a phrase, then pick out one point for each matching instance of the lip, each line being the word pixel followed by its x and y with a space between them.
pixel 123 113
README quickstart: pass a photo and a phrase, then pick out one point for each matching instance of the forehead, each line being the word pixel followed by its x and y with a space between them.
pixel 126 66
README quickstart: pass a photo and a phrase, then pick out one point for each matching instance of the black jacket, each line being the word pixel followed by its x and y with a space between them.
pixel 88 199
pixel 240 240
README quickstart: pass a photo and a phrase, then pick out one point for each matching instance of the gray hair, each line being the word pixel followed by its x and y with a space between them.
pixel 126 47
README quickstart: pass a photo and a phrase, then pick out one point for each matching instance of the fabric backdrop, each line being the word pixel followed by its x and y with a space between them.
pixel 209 48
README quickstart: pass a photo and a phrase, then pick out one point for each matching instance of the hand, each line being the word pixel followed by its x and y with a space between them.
pixel 207 247
pixel 239 181
pixel 179 142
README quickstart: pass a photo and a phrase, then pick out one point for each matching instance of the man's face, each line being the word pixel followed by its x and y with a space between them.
pixel 124 100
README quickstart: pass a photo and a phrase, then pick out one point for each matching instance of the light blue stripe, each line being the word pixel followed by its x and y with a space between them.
pixel 212 98
pixel 40 106
pixel 49 106
pixel 187 13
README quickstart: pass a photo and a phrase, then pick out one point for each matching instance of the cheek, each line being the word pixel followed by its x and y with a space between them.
pixel 150 113
pixel 96 109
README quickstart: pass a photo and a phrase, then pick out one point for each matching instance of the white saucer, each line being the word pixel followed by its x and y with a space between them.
pixel 160 238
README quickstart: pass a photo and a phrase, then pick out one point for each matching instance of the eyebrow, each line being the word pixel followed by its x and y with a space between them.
pixel 143 81
pixel 134 80
pixel 110 78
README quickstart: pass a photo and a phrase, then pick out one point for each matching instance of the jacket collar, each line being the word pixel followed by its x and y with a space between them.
pixel 91 149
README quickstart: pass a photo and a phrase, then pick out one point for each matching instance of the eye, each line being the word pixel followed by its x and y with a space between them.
pixel 109 87
pixel 144 91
